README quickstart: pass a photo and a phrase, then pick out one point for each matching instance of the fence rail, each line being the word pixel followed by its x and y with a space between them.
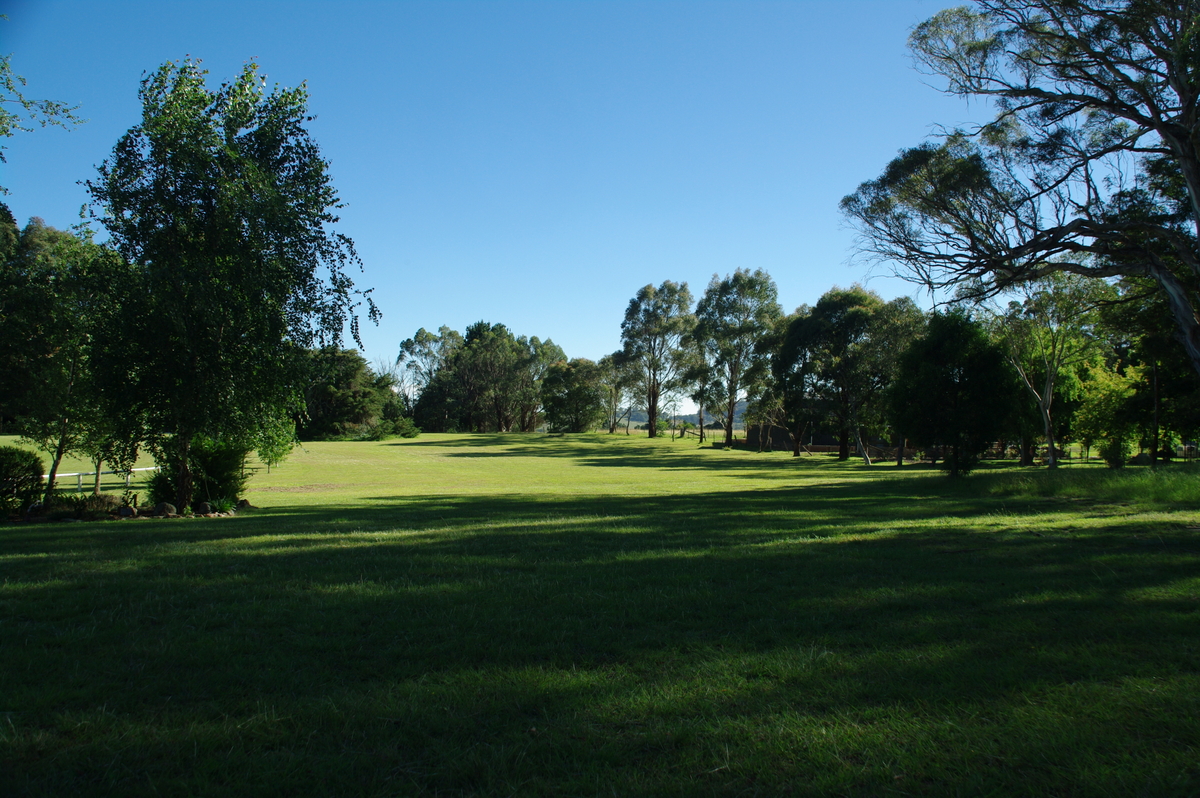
pixel 79 475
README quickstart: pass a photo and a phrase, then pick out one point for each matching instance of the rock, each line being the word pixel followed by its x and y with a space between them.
pixel 164 508
pixel 203 508
pixel 245 504
pixel 127 512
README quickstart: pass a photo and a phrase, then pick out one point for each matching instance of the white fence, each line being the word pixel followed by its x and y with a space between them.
pixel 79 475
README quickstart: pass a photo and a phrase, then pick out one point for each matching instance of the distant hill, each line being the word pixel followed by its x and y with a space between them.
pixel 640 417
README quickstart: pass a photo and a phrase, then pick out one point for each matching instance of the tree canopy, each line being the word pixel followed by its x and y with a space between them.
pixel 223 205
pixel 1091 166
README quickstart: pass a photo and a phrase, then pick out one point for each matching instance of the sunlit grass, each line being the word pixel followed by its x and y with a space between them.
pixel 479 615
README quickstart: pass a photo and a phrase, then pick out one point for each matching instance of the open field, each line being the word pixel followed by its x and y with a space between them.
pixel 585 615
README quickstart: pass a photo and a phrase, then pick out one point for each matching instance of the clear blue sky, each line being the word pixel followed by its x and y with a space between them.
pixel 530 163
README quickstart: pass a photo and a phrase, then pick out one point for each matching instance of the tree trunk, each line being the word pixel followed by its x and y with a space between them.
pixel 844 444
pixel 97 464
pixel 185 487
pixel 652 409
pixel 1048 427
pixel 730 409
pixel 866 456
pixel 1154 443
pixel 700 419
pixel 900 441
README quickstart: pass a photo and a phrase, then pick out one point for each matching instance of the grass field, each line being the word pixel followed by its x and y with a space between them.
pixel 596 615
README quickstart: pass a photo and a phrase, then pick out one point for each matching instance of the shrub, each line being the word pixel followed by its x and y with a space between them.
pixel 20 477
pixel 218 472
pixel 84 506
pixel 1115 451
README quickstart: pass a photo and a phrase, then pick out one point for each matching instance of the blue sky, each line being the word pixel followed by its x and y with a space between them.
pixel 530 163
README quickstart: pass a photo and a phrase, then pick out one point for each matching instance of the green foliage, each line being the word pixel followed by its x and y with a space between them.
pixel 835 359
pixel 733 318
pixel 239 273
pixel 20 477
pixel 343 393
pixel 573 396
pixel 1176 486
pixel 490 382
pixel 218 469
pixel 54 291
pixel 953 389
pixel 1059 181
pixel 1115 451
pixel 657 322
pixel 80 506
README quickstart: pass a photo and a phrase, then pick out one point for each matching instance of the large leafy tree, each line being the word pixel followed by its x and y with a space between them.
pixel 223 204
pixel 841 354
pixel 656 323
pixel 953 389
pixel 1092 165
pixel 53 297
pixel 573 393
pixel 732 318
pixel 342 391
pixel 1051 335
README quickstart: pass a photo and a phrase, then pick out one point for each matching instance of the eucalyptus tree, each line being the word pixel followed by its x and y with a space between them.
pixel 732 318
pixel 1050 334
pixel 223 205
pixel 617 382
pixel 655 326
pixel 425 354
pixel 1091 166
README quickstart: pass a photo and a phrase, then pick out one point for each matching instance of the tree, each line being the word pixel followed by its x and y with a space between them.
pixel 342 392
pixel 53 294
pixel 224 206
pixel 17 112
pixel 841 355
pixel 617 381
pixel 1083 88
pixel 953 389
pixel 1050 335
pixel 656 322
pixel 732 318
pixel 573 395
pixel 425 354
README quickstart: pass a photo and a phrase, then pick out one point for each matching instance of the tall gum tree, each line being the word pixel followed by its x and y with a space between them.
pixel 656 323
pixel 223 205
pixel 1097 100
pixel 732 318
pixel 1050 337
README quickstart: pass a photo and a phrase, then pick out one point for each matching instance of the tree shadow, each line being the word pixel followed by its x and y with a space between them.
pixel 472 644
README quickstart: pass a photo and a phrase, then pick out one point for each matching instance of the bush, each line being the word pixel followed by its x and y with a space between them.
pixel 84 506
pixel 20 477
pixel 1115 451
pixel 403 426
pixel 218 473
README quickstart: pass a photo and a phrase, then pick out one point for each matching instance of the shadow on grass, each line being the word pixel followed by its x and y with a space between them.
pixel 828 638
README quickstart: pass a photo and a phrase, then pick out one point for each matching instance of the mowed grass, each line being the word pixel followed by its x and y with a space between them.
pixel 586 615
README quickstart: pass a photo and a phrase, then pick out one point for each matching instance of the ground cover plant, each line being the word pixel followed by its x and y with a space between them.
pixel 576 615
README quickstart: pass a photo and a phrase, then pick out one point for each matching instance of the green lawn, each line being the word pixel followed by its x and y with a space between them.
pixel 585 615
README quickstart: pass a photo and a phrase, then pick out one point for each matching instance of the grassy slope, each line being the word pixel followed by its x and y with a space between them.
pixel 534 615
